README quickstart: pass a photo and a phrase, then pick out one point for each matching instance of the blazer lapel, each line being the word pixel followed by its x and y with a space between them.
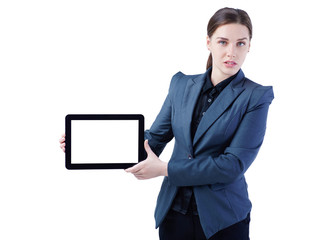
pixel 192 91
pixel 226 97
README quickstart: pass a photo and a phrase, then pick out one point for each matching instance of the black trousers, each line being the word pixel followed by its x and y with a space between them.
pixel 177 226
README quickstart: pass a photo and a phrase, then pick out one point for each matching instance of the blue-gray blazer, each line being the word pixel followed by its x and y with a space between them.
pixel 225 144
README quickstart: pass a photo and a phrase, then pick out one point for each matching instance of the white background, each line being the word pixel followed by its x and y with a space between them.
pixel 64 56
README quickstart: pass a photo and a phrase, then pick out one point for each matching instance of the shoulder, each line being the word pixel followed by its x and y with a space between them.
pixel 179 84
pixel 180 76
pixel 258 94
pixel 180 79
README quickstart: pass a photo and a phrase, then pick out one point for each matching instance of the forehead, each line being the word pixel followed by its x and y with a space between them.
pixel 232 31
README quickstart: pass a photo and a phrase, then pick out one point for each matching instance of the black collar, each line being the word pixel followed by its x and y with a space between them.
pixel 220 86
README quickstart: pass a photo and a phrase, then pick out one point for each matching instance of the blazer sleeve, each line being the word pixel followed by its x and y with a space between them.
pixel 161 132
pixel 236 158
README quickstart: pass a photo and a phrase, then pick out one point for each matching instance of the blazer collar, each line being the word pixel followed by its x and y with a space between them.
pixel 192 91
pixel 226 97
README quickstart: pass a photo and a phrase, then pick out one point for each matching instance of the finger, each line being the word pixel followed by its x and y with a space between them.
pixel 147 147
pixel 62 139
pixel 139 175
pixel 135 168
pixel 63 148
pixel 129 170
pixel 140 178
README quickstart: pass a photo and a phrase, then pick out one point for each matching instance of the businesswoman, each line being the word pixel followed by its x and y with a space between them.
pixel 218 120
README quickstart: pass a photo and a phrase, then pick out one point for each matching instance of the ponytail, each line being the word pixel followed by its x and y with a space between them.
pixel 209 62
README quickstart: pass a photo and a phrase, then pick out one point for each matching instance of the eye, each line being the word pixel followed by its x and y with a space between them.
pixel 241 44
pixel 223 43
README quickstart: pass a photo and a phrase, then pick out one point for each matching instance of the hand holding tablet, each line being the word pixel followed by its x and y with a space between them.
pixel 151 167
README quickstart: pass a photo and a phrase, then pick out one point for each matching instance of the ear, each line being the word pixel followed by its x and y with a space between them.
pixel 208 42
pixel 249 46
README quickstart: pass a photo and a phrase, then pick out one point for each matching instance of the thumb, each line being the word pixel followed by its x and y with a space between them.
pixel 147 147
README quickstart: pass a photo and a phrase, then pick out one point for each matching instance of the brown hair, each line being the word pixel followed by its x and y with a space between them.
pixel 226 16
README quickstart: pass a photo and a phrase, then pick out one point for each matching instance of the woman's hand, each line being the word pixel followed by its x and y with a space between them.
pixel 62 142
pixel 151 167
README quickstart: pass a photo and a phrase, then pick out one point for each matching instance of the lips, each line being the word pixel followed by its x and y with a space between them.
pixel 230 63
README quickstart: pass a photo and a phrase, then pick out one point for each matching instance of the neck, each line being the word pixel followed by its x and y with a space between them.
pixel 217 77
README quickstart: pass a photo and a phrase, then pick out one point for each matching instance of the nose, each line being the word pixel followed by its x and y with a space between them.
pixel 231 51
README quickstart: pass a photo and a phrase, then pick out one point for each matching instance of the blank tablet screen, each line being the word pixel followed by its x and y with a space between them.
pixel 104 141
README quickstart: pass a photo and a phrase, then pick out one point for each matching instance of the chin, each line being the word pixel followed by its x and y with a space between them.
pixel 226 72
pixel 231 72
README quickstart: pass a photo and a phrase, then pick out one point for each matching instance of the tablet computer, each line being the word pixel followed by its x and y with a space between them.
pixel 104 141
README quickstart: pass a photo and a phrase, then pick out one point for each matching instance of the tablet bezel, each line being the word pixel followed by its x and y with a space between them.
pixel 141 152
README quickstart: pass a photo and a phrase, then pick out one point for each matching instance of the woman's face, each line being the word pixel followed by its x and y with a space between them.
pixel 229 46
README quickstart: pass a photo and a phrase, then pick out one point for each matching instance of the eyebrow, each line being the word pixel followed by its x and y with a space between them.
pixel 240 39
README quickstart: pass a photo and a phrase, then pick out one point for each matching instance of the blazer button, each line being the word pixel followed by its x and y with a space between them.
pixel 189 156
